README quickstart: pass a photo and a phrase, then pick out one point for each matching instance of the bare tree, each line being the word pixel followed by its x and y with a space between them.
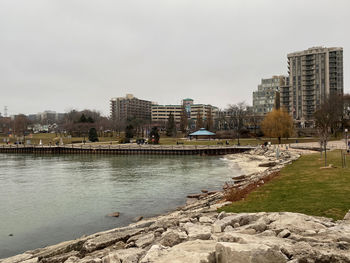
pixel 209 120
pixel 199 121
pixel 183 119
pixel 327 120
pixel 237 113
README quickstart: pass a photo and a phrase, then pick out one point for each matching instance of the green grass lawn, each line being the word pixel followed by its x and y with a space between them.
pixel 304 188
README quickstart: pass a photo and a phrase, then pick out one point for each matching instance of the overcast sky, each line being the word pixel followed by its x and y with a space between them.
pixel 64 54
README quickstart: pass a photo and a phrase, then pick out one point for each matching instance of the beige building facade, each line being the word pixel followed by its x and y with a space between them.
pixel 129 107
pixel 160 113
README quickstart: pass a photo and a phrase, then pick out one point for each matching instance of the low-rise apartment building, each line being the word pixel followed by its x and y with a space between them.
pixel 160 113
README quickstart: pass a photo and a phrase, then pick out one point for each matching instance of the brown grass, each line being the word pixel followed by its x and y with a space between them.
pixel 233 194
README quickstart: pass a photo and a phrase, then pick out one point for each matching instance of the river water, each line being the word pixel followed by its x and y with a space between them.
pixel 48 199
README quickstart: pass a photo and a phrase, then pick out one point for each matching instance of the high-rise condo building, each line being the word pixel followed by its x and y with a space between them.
pixel 314 74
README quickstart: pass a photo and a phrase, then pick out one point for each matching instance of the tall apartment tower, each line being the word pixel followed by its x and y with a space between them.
pixel 129 107
pixel 264 99
pixel 314 74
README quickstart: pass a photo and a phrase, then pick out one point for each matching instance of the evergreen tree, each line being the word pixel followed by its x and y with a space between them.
pixel 171 126
pixel 90 120
pixel 82 118
pixel 129 132
pixel 199 121
pixel 183 120
pixel 93 135
pixel 154 136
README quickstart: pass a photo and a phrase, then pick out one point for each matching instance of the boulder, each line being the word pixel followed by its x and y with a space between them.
pixel 247 253
pixel 197 231
pixel 145 240
pixel 172 237
pixel 241 219
pixel 154 253
pixel 89 259
pixel 228 228
pixel 295 223
pixel 16 259
pixel 205 219
pixel 221 215
pixel 284 233
pixel 72 260
pixel 105 240
pixel 115 214
pixel 130 255
pixel 198 251
pixel 347 216
pixel 137 219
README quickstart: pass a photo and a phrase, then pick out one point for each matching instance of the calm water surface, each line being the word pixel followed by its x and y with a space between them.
pixel 48 199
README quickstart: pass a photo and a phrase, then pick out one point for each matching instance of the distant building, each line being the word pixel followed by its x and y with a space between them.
pixel 46 117
pixel 264 99
pixel 160 113
pixel 130 107
pixel 314 74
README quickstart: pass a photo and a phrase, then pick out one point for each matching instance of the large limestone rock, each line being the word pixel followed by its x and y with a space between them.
pixel 17 259
pixel 145 240
pixel 130 255
pixel 347 216
pixel 198 251
pixel 247 253
pixel 240 219
pixel 108 239
pixel 173 237
pixel 296 223
pixel 197 231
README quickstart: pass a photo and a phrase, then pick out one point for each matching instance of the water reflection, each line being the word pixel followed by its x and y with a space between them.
pixel 48 199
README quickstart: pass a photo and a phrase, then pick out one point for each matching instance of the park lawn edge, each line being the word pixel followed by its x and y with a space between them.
pixel 303 187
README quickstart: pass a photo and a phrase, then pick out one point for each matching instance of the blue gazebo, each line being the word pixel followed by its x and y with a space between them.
pixel 202 133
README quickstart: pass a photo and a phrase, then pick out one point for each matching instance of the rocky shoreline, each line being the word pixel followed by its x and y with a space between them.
pixel 198 233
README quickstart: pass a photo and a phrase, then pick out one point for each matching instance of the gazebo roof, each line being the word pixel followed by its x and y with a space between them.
pixel 202 132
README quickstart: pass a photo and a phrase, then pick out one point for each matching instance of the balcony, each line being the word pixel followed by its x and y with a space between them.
pixel 308 72
pixel 309 77
pixel 309 98
pixel 309 83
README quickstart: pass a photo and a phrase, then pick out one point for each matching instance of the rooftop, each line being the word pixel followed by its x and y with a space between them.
pixel 202 132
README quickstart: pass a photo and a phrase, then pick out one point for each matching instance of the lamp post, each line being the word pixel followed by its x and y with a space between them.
pixel 346 139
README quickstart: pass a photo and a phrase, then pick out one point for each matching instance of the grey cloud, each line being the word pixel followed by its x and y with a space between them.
pixel 61 54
